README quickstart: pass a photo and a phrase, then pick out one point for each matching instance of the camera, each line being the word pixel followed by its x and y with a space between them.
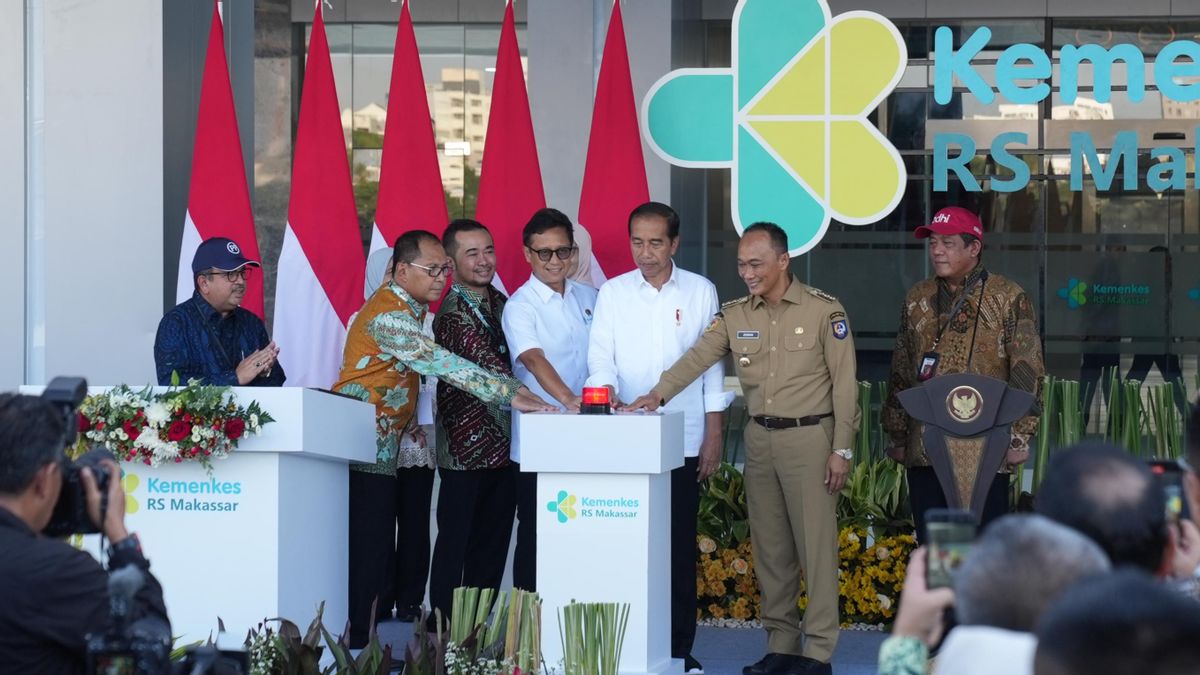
pixel 70 513
pixel 141 647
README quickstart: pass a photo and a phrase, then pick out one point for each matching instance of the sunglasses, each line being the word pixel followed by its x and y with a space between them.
pixel 544 254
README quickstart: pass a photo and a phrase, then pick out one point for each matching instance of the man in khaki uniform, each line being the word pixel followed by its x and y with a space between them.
pixel 795 358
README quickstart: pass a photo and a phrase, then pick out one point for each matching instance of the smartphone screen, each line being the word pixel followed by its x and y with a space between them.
pixel 950 533
pixel 1171 475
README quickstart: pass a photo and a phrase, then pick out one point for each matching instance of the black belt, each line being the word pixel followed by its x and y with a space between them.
pixel 789 422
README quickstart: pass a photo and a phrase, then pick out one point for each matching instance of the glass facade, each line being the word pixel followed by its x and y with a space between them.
pixel 1114 274
pixel 458 62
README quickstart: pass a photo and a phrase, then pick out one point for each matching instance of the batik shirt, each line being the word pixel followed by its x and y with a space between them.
pixel 195 341
pixel 1002 329
pixel 386 353
pixel 472 434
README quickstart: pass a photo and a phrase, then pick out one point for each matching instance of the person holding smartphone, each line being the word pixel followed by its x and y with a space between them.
pixel 964 319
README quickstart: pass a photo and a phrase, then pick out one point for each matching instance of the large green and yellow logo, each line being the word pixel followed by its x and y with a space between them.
pixel 130 482
pixel 790 117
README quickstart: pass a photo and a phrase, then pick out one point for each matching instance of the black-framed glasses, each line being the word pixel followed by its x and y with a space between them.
pixel 544 254
pixel 436 271
pixel 242 274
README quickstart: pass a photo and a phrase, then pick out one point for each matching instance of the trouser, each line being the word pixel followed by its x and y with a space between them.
pixel 685 499
pixel 384 510
pixel 925 492
pixel 475 520
pixel 793 531
pixel 525 556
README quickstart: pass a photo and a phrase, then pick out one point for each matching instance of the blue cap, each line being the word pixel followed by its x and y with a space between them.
pixel 221 254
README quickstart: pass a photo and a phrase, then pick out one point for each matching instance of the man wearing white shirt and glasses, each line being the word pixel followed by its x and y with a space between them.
pixel 645 320
pixel 546 324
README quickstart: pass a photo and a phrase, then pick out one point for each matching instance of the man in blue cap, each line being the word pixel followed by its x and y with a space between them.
pixel 209 337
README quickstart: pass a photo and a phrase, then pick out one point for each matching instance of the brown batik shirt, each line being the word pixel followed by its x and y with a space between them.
pixel 1001 326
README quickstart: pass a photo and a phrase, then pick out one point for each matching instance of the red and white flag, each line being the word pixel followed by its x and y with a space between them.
pixel 614 179
pixel 410 183
pixel 510 181
pixel 218 197
pixel 321 265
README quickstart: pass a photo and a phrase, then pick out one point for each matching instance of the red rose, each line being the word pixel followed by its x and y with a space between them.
pixel 179 430
pixel 84 423
pixel 234 428
pixel 98 426
pixel 134 430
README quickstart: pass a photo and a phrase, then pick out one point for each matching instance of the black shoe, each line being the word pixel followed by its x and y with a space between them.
pixel 773 663
pixel 691 666
pixel 806 665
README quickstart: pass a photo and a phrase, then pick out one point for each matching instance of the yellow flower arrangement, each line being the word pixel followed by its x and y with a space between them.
pixel 870 577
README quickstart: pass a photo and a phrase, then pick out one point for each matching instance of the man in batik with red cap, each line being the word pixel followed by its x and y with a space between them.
pixel 963 309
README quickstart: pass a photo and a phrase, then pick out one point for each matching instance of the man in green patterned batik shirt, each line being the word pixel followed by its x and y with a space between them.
pixel 385 356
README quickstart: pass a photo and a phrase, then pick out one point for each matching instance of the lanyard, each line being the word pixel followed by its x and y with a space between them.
pixel 957 306
pixel 487 325
pixel 216 340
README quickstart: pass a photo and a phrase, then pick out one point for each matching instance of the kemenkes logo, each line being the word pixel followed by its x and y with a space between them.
pixel 1075 293
pixel 564 506
pixel 129 481
pixel 1079 293
pixel 790 117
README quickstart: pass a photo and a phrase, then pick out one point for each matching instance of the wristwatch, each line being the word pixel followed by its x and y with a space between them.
pixel 845 453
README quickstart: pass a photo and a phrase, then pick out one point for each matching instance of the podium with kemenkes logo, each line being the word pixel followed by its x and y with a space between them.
pixel 264 534
pixel 604 522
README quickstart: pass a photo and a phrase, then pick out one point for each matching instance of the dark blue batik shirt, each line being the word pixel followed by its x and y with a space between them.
pixel 195 341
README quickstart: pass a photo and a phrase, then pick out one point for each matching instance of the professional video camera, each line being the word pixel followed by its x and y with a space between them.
pixel 70 513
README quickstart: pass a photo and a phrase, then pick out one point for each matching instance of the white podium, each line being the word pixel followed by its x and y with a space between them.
pixel 604 521
pixel 265 534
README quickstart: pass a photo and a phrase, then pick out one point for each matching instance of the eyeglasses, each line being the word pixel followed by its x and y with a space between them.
pixel 544 254
pixel 436 272
pixel 242 274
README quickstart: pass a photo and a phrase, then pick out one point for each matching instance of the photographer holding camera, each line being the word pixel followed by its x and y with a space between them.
pixel 54 598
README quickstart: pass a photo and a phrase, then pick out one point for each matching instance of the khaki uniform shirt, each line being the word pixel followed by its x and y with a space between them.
pixel 794 359
pixel 1002 328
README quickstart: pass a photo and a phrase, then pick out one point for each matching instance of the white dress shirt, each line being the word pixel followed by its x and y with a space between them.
pixel 640 331
pixel 536 317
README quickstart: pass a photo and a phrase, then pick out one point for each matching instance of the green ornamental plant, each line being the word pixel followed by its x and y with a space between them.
pixel 592 635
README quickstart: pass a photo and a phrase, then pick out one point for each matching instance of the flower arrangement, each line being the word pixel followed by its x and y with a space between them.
pixel 726 587
pixel 870 575
pixel 191 423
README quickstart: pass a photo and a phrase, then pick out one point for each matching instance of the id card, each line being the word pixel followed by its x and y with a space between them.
pixel 928 368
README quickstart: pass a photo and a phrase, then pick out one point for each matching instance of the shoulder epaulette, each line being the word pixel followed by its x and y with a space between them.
pixel 731 303
pixel 822 294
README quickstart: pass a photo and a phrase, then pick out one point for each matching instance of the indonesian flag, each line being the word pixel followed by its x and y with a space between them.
pixel 321 265
pixel 614 179
pixel 510 181
pixel 410 183
pixel 218 197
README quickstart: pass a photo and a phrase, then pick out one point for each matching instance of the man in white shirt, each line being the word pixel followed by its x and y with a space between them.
pixel 645 320
pixel 546 324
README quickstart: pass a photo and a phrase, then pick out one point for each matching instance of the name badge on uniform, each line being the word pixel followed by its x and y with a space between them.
pixel 747 335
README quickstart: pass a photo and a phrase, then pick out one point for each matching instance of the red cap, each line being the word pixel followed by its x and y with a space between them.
pixel 952 220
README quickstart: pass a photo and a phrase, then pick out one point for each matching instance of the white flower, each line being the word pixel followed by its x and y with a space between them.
pixel 157 414
pixel 196 437
pixel 253 420
pixel 884 601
